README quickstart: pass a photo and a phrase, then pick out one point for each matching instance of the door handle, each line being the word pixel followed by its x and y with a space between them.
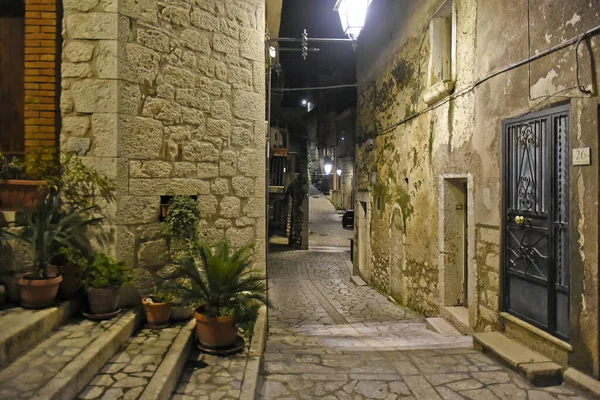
pixel 520 220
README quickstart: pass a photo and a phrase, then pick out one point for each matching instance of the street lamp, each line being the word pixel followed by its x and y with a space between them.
pixel 304 102
pixel 353 14
pixel 339 172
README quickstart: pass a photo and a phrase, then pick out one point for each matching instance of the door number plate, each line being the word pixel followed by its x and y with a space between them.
pixel 582 156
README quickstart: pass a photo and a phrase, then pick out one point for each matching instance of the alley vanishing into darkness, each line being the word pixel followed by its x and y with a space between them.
pixel 331 339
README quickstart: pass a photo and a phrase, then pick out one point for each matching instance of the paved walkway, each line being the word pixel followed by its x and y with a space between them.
pixel 329 339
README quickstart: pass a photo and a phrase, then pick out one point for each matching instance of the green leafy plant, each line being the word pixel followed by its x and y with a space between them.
pixel 183 217
pixel 105 272
pixel 48 227
pixel 221 282
pixel 42 163
pixel 79 185
pixel 70 256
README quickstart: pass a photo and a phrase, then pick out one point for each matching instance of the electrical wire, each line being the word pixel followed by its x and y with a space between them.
pixel 471 87
pixel 350 85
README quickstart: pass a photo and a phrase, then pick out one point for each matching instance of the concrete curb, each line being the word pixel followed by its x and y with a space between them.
pixel 250 384
pixel 75 376
pixel 582 381
pixel 16 338
pixel 165 378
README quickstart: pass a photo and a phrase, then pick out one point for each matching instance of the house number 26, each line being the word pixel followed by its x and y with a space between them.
pixel 582 156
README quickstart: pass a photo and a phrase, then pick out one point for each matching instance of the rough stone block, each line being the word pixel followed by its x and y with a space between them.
pixel 163 110
pixel 92 26
pixel 179 77
pixel 104 130
pixel 79 5
pixel 251 163
pixel 228 163
pixel 205 21
pixel 185 170
pixel 140 65
pixel 76 126
pixel 76 51
pixel 240 236
pixel 208 206
pixel 208 170
pixel 176 15
pixel 214 87
pixel 146 10
pixel 225 44
pixel 242 186
pixel 154 253
pixel 194 40
pixel 94 95
pixel 230 207
pixel 71 70
pixel 542 374
pixel 220 186
pixel 251 44
pixel 193 98
pixel 138 209
pixel 240 78
pixel 218 128
pixel 153 39
pixel 141 138
pixel 248 105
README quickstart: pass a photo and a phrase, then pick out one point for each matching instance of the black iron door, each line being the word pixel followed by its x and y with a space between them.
pixel 536 219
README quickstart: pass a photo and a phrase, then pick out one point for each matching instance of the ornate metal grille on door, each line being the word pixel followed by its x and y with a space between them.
pixel 536 219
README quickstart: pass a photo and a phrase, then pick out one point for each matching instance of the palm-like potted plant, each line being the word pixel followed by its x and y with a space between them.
pixel 222 286
pixel 103 280
pixel 45 229
pixel 158 308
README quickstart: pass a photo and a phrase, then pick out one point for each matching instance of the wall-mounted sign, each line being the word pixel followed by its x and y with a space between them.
pixel 582 156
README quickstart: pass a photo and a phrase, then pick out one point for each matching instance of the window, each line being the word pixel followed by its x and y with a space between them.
pixel 12 76
pixel 441 73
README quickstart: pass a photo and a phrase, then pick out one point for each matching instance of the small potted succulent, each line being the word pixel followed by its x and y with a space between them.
pixel 45 229
pixel 158 308
pixel 222 287
pixel 103 280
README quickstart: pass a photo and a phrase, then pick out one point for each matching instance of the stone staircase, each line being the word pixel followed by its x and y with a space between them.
pixel 55 354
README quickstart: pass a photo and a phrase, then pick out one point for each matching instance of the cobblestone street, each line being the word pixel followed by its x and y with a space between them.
pixel 330 339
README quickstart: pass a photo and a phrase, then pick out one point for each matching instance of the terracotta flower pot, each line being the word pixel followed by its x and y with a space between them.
pixel 103 300
pixel 16 194
pixel 71 283
pixel 215 332
pixel 38 293
pixel 157 314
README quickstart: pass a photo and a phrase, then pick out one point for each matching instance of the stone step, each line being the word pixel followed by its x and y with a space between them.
pixel 537 368
pixel 147 367
pixel 22 328
pixel 458 317
pixel 441 326
pixel 61 366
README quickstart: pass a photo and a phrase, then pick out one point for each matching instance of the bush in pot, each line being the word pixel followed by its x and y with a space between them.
pixel 103 280
pixel 45 229
pixel 222 286
pixel 158 308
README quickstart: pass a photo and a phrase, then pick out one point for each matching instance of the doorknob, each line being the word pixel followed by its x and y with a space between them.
pixel 519 219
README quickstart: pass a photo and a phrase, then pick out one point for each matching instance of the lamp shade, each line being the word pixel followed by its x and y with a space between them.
pixel 339 172
pixel 327 168
pixel 353 14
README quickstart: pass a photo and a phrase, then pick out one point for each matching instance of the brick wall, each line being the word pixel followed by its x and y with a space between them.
pixel 41 74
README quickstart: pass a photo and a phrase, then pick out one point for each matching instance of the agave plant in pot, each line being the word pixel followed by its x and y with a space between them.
pixel 103 280
pixel 46 228
pixel 222 286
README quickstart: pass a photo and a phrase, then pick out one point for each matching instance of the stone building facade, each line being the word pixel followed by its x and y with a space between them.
pixel 441 187
pixel 167 98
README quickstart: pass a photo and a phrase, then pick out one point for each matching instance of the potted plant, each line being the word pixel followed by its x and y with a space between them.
pixel 103 280
pixel 158 308
pixel 70 263
pixel 23 177
pixel 182 217
pixel 45 229
pixel 222 286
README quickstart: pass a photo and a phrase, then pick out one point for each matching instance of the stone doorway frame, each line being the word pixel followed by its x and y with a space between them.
pixel 363 234
pixel 470 237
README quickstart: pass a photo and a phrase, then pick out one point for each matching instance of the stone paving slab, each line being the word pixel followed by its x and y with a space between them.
pixel 129 371
pixel 27 374
pixel 208 377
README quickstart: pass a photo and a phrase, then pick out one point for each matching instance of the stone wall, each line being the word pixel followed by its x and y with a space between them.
pixel 167 97
pixel 407 146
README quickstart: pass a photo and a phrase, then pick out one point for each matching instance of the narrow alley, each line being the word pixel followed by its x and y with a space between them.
pixel 331 339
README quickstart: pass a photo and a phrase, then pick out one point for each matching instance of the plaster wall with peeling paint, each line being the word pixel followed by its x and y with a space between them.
pixel 411 156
